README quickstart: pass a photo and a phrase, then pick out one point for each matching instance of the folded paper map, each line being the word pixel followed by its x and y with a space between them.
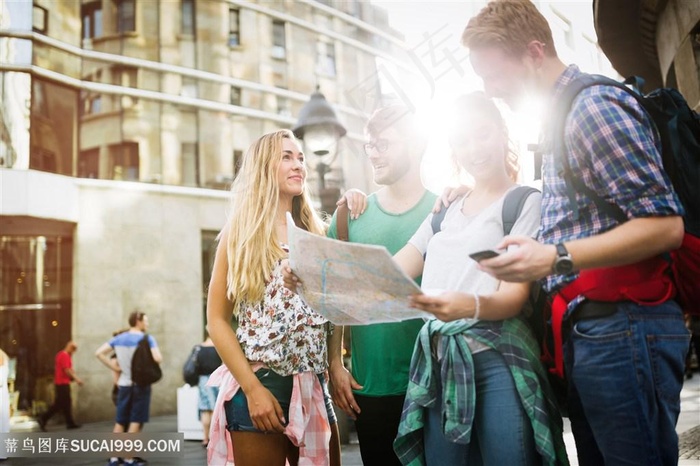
pixel 349 283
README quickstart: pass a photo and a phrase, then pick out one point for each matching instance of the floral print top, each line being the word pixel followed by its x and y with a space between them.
pixel 282 332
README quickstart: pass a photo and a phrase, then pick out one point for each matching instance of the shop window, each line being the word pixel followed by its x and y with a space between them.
pixel 126 15
pixel 187 17
pixel 35 303
pixel 124 161
pixel 89 163
pixel 40 19
pixel 234 27
pixel 91 14
pixel 279 40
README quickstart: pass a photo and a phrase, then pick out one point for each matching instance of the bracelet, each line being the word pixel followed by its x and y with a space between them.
pixel 477 307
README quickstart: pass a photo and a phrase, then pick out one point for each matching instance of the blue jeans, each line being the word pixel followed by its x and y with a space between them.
pixel 236 409
pixel 501 434
pixel 625 375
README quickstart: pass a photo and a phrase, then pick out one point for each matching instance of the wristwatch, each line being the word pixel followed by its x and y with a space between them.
pixel 563 264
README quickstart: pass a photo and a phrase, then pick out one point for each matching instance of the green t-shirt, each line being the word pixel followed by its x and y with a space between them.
pixel 381 353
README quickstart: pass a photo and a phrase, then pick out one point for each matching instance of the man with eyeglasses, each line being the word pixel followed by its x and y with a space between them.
pixel 133 401
pixel 373 393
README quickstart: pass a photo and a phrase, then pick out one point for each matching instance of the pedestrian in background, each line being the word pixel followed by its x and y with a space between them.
pixel 273 391
pixel 63 376
pixel 133 401
pixel 115 373
pixel 625 352
pixel 373 392
pixel 208 360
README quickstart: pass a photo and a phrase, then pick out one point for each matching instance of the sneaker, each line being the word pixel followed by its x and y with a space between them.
pixel 73 426
pixel 136 462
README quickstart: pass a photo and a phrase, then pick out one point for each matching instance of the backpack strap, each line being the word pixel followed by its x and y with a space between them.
pixel 561 160
pixel 513 206
pixel 341 222
pixel 438 217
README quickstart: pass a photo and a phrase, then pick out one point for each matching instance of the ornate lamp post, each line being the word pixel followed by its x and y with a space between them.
pixel 319 129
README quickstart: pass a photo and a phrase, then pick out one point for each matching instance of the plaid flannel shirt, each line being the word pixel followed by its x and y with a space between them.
pixel 307 427
pixel 614 148
pixel 514 341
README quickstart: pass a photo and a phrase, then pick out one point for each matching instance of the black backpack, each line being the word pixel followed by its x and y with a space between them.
pixel 144 369
pixel 679 130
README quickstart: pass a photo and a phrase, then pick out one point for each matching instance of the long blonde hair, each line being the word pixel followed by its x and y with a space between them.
pixel 253 249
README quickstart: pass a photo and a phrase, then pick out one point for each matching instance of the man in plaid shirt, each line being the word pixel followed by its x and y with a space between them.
pixel 623 357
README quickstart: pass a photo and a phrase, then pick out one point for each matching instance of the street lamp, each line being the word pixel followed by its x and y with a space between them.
pixel 320 130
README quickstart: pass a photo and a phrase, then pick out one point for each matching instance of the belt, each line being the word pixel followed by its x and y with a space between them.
pixel 590 309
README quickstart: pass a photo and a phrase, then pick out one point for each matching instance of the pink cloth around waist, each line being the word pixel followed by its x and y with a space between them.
pixel 308 426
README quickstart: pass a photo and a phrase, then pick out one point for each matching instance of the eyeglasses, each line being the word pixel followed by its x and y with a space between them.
pixel 381 145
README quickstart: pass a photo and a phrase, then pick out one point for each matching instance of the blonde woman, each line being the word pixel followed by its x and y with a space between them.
pixel 273 395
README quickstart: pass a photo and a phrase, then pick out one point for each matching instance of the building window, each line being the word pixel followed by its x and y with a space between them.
pixel 126 15
pixel 91 14
pixel 189 88
pixel 89 163
pixel 237 161
pixel 279 40
pixel 40 19
pixel 126 76
pixel 124 161
pixel 91 103
pixel 234 27
pixel 283 107
pixel 235 95
pixel 189 164
pixel 40 99
pixel 562 30
pixel 187 15
pixel 325 59
pixel 43 159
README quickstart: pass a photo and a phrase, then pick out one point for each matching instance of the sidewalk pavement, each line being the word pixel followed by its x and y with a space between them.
pixel 688 429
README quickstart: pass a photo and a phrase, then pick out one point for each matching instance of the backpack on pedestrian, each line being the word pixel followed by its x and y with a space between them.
pixel 679 130
pixel 144 369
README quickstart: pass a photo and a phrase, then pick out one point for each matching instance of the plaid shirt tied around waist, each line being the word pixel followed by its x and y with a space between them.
pixel 513 339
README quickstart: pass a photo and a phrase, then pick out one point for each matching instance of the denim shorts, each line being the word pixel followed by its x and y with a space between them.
pixel 238 416
pixel 133 404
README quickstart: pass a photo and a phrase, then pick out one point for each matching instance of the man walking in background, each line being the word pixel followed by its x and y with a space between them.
pixel 63 376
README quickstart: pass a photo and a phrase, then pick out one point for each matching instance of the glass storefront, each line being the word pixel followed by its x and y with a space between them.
pixel 35 308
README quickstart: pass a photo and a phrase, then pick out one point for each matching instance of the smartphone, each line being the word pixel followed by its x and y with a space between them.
pixel 485 254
